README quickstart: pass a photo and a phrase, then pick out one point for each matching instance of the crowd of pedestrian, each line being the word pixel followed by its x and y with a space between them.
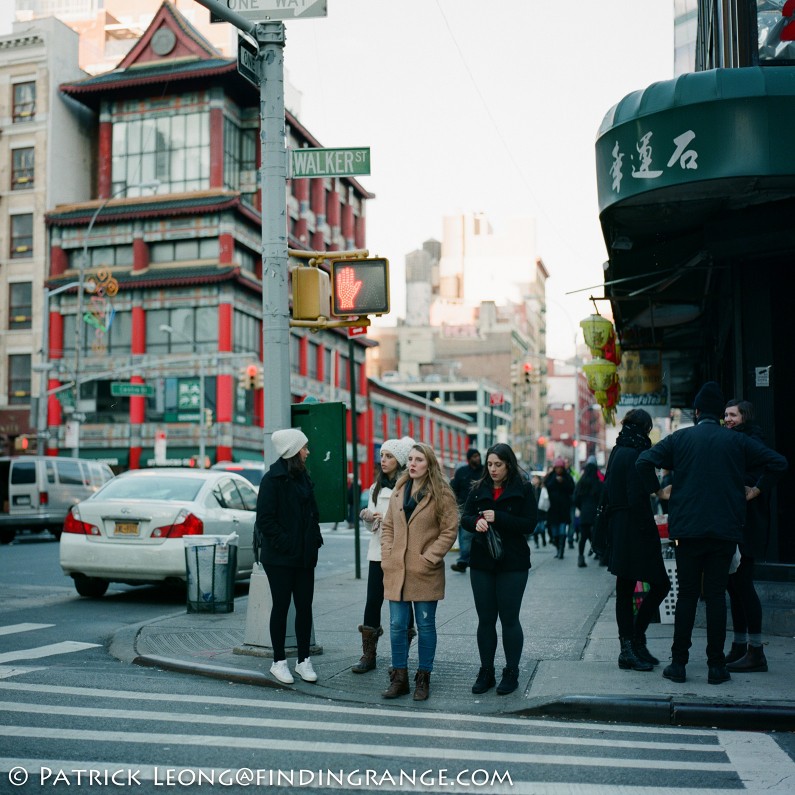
pixel 715 488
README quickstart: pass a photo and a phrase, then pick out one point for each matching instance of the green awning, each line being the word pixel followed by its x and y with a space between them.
pixel 678 137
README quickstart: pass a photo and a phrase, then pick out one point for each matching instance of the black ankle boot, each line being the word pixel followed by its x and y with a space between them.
pixel 629 661
pixel 641 651
pixel 485 680
pixel 509 681
pixel 737 652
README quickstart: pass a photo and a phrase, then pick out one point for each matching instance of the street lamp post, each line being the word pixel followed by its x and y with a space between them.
pixel 81 278
pixel 202 445
pixel 45 365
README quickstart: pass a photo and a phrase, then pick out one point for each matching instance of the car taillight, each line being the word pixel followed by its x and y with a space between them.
pixel 44 498
pixel 186 524
pixel 73 525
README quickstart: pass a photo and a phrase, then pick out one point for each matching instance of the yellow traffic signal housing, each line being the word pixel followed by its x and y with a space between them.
pixel 359 287
pixel 311 293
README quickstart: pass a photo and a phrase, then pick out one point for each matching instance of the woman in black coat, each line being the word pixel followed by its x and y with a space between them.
pixel 635 549
pixel 587 494
pixel 503 499
pixel 747 654
pixel 560 488
pixel 288 532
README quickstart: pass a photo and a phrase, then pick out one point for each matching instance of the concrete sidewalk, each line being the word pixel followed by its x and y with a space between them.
pixel 569 664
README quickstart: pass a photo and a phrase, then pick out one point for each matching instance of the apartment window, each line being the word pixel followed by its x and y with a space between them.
pixel 22 168
pixel 311 360
pixel 173 149
pixel 240 159
pixel 19 378
pixel 24 102
pixel 22 235
pixel 20 307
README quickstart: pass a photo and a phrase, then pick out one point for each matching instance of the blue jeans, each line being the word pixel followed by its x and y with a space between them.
pixel 464 545
pixel 425 620
pixel 557 530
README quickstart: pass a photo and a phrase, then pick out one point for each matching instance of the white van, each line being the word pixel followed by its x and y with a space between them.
pixel 36 491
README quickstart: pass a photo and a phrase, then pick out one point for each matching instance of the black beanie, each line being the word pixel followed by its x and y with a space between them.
pixel 710 400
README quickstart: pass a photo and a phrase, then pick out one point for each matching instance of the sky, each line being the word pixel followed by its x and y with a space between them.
pixel 474 106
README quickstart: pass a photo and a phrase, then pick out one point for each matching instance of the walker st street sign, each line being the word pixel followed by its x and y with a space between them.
pixel 127 389
pixel 263 10
pixel 330 162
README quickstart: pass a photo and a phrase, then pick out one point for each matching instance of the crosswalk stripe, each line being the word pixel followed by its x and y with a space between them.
pixel 352 749
pixel 7 671
pixel 11 629
pixel 146 773
pixel 197 719
pixel 65 647
pixel 450 718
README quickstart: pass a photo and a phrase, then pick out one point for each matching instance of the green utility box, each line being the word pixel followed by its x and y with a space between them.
pixel 324 426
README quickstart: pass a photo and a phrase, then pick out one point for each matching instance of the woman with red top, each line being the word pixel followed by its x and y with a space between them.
pixel 504 499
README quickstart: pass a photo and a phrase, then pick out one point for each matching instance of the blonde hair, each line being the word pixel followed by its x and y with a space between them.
pixel 434 483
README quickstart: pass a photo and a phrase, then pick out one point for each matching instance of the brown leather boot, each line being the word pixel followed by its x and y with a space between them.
pixel 398 683
pixel 423 682
pixel 370 636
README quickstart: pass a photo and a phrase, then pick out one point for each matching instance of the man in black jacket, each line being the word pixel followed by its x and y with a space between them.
pixel 461 484
pixel 706 514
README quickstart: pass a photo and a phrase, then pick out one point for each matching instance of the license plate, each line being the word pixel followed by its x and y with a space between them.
pixel 22 500
pixel 126 529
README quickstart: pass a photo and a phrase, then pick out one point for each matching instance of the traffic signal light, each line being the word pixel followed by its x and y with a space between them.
pixel 514 372
pixel 251 377
pixel 359 287
pixel 542 441
pixel 311 293
pixel 528 372
pixel 208 418
pixel 21 443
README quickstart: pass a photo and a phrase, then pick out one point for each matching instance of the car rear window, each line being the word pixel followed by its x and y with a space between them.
pixel 149 488
pixel 23 472
pixel 253 474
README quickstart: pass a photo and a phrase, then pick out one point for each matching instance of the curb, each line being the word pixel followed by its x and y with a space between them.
pixel 667 711
pixel 240 675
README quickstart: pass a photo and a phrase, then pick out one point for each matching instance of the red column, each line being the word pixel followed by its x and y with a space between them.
pixel 303 352
pixel 59 262
pixel 137 402
pixel 140 252
pixel 226 248
pixel 333 215
pixel 361 233
pixel 348 226
pixel 318 190
pixel 224 383
pixel 105 154
pixel 301 193
pixel 216 147
pixel 54 414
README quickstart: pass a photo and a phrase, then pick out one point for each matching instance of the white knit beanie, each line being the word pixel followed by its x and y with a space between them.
pixel 288 442
pixel 400 448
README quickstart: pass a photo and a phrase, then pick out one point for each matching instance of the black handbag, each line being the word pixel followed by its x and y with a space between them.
pixel 494 543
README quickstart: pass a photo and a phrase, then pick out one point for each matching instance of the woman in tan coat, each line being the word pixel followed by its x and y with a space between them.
pixel 420 527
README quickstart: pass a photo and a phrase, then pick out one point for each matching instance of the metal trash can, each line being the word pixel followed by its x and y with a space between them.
pixel 210 568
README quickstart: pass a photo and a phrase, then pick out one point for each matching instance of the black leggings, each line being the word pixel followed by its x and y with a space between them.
pixel 499 595
pixel 375 597
pixel 297 584
pixel 629 625
pixel 585 535
pixel 744 600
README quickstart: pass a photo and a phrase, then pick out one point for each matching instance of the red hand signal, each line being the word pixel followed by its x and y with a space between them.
pixel 347 288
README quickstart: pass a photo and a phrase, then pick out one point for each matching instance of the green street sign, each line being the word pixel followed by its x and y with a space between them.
pixel 329 162
pixel 126 389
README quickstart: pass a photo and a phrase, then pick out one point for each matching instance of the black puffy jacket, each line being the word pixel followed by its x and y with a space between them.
pixel 287 519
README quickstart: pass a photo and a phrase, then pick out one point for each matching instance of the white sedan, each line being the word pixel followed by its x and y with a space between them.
pixel 132 529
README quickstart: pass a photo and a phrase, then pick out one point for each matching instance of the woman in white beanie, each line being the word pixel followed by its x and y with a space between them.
pixel 394 453
pixel 289 535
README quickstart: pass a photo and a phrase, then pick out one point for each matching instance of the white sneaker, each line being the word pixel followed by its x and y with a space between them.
pixel 306 671
pixel 282 672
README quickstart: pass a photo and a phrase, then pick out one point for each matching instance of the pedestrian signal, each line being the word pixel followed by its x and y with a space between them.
pixel 359 287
